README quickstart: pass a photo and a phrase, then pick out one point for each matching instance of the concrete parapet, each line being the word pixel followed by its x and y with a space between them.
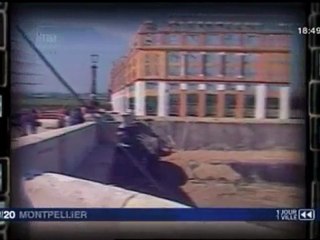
pixel 55 190
pixel 58 150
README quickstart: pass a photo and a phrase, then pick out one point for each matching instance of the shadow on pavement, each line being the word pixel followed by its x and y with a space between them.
pixel 168 175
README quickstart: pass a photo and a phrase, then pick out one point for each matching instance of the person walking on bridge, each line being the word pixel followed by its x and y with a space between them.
pixel 76 117
pixel 67 118
pixel 31 122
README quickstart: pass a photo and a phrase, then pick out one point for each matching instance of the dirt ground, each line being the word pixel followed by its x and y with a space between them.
pixel 212 182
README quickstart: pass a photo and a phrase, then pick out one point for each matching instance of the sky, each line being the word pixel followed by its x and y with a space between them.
pixel 106 29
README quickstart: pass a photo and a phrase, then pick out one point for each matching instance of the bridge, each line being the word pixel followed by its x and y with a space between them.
pixel 71 167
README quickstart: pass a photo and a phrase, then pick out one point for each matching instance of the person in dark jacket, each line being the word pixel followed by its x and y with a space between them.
pixel 76 117
pixel 31 121
pixel 66 118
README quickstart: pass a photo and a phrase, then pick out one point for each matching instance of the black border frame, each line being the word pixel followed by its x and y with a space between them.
pixel 308 154
pixel 4 162
pixel 4 126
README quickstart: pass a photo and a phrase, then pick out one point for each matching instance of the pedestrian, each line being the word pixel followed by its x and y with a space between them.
pixel 34 121
pixel 30 121
pixel 76 117
pixel 67 118
pixel 17 125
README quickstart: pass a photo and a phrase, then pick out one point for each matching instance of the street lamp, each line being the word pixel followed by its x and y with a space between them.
pixel 93 95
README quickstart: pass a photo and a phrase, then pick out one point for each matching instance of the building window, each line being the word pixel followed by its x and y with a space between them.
pixel 211 62
pixel 249 105
pixel 194 64
pixel 211 103
pixel 272 101
pixel 131 103
pixel 251 40
pixel 151 105
pixel 231 39
pixel 148 39
pixel 211 58
pixel 174 104
pixel 272 107
pixel 248 68
pixel 230 87
pixel 211 70
pixel 211 87
pixel 193 86
pixel 192 39
pixel 175 27
pixel 213 39
pixel 273 88
pixel 232 65
pixel 151 39
pixel 151 85
pixel 194 58
pixel 174 71
pixel 193 70
pixel 192 104
pixel 190 26
pixel 223 64
pixel 174 63
pixel 230 105
pixel 174 86
pixel 173 39
pixel 174 58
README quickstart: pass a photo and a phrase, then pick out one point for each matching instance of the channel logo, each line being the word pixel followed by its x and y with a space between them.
pixel 306 214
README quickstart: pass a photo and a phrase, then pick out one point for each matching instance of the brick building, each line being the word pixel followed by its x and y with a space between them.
pixel 205 69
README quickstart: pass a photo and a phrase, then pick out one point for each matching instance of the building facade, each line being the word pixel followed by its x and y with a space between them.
pixel 205 69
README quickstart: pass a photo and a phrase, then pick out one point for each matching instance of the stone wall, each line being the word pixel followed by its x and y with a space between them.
pixel 232 135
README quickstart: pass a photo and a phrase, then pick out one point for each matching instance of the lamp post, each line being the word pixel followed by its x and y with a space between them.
pixel 93 95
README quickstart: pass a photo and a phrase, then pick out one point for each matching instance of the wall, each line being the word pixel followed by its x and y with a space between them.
pixel 107 132
pixel 233 135
pixel 56 191
pixel 59 150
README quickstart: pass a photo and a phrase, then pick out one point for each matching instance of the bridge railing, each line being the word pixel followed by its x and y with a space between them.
pixel 59 150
